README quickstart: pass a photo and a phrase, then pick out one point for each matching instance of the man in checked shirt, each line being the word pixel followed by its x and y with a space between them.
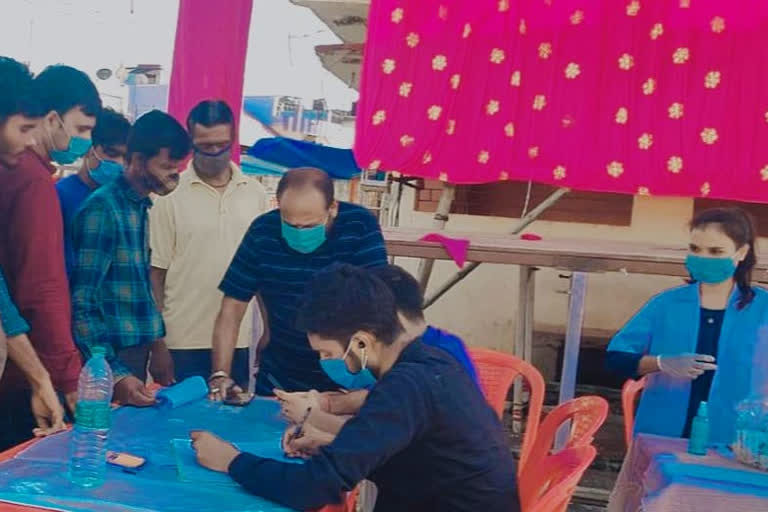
pixel 112 298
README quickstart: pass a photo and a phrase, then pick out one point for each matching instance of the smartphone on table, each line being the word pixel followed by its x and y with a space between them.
pixel 127 462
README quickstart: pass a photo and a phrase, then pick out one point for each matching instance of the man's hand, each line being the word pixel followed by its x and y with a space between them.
pixel 47 409
pixel 70 399
pixel 161 364
pixel 212 452
pixel 307 445
pixel 293 406
pixel 221 388
pixel 131 391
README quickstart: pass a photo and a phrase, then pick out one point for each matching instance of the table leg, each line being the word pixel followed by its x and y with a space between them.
pixel 576 305
pixel 523 339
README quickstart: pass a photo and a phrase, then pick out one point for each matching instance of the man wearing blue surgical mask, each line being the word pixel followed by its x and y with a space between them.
pixel 279 255
pixel 101 165
pixel 32 240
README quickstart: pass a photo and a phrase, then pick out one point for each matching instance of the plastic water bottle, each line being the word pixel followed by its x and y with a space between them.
pixel 88 450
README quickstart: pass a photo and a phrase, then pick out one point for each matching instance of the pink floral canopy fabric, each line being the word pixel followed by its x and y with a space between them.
pixel 661 97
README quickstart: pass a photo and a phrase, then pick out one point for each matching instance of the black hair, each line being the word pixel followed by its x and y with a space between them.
pixel 307 177
pixel 739 226
pixel 112 129
pixel 343 299
pixel 17 92
pixel 210 113
pixel 405 288
pixel 155 131
pixel 62 88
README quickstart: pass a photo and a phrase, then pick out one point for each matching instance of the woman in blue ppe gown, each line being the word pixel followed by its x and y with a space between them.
pixel 701 341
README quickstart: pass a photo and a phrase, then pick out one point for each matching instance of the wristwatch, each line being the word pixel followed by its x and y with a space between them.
pixel 218 375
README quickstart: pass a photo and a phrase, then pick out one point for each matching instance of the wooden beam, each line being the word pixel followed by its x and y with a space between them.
pixel 523 342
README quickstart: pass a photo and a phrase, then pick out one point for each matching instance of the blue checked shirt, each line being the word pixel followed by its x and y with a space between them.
pixel 112 302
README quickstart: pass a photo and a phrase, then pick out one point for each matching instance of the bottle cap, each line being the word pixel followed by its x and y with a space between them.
pixel 98 351
pixel 703 410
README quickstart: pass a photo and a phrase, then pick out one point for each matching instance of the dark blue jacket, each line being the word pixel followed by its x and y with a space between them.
pixel 425 436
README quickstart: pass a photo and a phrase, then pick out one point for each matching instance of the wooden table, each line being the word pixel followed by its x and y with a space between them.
pixel 579 256
pixel 576 255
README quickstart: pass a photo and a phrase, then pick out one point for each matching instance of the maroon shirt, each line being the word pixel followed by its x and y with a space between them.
pixel 32 257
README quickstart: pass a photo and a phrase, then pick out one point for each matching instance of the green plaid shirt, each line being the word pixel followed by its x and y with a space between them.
pixel 112 302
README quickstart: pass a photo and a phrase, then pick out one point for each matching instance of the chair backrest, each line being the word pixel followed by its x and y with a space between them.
pixel 629 393
pixel 497 371
pixel 586 414
pixel 348 503
pixel 550 485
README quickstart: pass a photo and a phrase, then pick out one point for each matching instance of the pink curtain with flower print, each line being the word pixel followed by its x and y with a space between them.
pixel 662 97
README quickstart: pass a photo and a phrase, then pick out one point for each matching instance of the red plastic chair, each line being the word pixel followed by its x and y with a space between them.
pixel 587 414
pixel 497 371
pixel 348 503
pixel 629 393
pixel 550 485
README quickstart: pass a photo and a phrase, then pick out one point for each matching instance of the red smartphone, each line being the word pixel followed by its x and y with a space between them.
pixel 126 461
pixel 239 400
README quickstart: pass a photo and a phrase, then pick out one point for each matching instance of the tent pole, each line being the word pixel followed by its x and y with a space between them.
pixel 440 219
pixel 521 225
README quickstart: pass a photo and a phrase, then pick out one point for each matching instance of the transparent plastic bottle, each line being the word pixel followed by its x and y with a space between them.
pixel 88 448
pixel 751 422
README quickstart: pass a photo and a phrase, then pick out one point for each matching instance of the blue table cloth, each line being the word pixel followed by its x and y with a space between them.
pixel 38 475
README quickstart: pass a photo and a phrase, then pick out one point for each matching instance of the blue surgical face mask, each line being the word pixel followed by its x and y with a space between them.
pixel 77 147
pixel 337 370
pixel 106 172
pixel 710 270
pixel 304 240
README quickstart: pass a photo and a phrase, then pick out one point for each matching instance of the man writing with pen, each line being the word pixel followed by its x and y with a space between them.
pixel 329 411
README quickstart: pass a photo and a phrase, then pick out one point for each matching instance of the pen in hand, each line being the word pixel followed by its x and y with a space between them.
pixel 300 427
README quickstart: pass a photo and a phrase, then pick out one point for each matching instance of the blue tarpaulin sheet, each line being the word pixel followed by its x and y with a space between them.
pixel 338 163
pixel 257 166
pixel 190 471
pixel 38 475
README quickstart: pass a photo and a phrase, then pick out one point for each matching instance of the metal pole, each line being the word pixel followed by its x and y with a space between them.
pixel 440 219
pixel 576 305
pixel 523 336
pixel 522 224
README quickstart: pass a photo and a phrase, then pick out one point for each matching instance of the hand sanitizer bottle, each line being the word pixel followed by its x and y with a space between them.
pixel 697 444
